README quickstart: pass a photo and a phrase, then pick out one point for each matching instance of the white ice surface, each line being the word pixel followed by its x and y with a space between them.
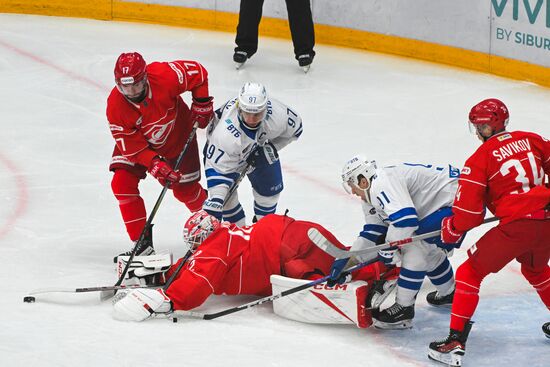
pixel 60 225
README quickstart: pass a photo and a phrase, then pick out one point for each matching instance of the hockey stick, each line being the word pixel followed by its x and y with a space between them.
pixel 87 289
pixel 324 244
pixel 210 316
pixel 108 294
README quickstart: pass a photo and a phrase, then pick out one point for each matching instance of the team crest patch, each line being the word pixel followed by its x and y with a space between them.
pixel 504 137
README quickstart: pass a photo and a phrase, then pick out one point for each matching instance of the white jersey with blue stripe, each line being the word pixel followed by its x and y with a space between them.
pixel 402 195
pixel 229 141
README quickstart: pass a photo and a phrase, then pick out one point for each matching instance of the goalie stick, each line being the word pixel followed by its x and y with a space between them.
pixel 86 289
pixel 324 244
pixel 210 316
pixel 105 295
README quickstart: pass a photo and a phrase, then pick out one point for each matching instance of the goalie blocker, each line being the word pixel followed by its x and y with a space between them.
pixel 145 270
pixel 341 304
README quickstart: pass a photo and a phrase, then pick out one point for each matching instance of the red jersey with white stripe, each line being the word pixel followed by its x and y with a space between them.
pixel 159 124
pixel 239 260
pixel 507 175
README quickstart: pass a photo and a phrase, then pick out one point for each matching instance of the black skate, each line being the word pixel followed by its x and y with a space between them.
pixel 394 317
pixel 305 61
pixel 451 350
pixel 436 300
pixel 240 57
pixel 144 248
pixel 546 329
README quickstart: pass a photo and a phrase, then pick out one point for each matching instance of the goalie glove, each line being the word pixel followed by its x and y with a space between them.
pixel 141 304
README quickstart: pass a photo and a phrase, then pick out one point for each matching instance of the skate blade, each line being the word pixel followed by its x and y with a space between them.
pixel 238 65
pixel 451 359
pixel 400 325
pixel 306 68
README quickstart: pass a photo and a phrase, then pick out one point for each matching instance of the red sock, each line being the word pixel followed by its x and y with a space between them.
pixel 191 194
pixel 466 296
pixel 132 207
pixel 540 280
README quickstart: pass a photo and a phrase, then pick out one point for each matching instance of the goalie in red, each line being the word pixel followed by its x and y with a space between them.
pixel 236 260
pixel 150 124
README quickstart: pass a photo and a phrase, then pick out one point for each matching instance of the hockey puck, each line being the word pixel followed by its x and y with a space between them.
pixel 29 299
pixel 174 319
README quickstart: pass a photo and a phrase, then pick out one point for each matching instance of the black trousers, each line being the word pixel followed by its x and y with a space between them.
pixel 299 18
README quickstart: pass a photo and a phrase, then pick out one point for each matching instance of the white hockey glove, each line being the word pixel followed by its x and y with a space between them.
pixel 145 270
pixel 389 256
pixel 141 304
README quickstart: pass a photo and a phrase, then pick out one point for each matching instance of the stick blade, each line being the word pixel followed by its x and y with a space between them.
pixel 324 244
pixel 106 295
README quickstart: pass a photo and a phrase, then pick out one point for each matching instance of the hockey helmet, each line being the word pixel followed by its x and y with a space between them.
pixel 252 103
pixel 354 169
pixel 131 76
pixel 198 227
pixel 490 112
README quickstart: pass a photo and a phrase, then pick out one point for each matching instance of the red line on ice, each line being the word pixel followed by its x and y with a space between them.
pixel 22 196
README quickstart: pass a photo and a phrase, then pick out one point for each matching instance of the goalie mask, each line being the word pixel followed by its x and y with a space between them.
pixel 357 175
pixel 252 104
pixel 198 227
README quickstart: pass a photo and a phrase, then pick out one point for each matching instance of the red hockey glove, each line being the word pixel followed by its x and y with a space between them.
pixel 202 111
pixel 449 234
pixel 162 171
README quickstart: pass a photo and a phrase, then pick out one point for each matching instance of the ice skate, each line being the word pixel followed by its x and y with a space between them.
pixel 394 317
pixel 450 350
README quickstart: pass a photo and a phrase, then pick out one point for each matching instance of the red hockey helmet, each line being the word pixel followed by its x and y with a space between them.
pixel 198 227
pixel 129 68
pixel 491 112
pixel 131 76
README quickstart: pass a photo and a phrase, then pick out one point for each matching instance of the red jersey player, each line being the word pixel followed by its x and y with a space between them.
pixel 150 124
pixel 235 260
pixel 507 176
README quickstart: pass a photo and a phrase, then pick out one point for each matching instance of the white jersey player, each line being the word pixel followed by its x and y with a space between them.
pixel 400 201
pixel 247 131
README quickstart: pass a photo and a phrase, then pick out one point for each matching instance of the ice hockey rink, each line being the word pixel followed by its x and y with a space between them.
pixel 60 225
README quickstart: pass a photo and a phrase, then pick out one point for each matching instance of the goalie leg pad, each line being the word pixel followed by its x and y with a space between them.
pixel 141 304
pixel 342 304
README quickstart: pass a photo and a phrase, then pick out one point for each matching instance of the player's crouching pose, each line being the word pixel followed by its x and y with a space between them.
pixel 505 175
pixel 240 260
pixel 250 128
pixel 150 124
pixel 399 201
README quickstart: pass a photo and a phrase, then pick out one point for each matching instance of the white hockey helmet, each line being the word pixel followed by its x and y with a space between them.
pixel 355 168
pixel 252 98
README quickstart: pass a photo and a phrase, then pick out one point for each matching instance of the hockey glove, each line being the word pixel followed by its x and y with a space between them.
pixel 263 155
pixel 337 275
pixel 202 111
pixel 163 172
pixel 449 235
pixel 141 304
pixel 390 256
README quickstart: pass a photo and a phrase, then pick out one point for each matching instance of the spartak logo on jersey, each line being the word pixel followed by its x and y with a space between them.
pixel 157 134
